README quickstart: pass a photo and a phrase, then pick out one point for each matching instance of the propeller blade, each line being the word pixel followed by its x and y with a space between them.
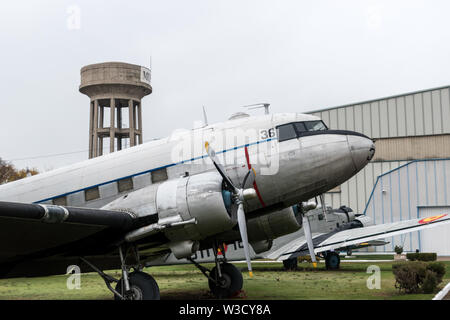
pixel 244 237
pixel 250 176
pixel 309 240
pixel 219 167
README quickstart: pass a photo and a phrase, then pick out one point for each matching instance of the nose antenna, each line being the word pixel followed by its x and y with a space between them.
pixel 259 105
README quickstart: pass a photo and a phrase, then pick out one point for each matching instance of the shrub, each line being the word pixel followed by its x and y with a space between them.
pixel 438 268
pixel 429 282
pixel 398 249
pixel 408 275
pixel 418 276
pixel 421 256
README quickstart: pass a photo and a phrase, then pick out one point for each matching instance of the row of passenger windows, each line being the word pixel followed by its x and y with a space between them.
pixel 123 185
pixel 296 129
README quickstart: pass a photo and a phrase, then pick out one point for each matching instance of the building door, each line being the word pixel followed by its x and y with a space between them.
pixel 436 239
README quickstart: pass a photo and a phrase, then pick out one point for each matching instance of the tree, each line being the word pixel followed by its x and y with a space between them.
pixel 9 173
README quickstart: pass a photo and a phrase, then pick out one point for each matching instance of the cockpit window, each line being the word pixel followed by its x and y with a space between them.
pixel 286 132
pixel 315 125
pixel 296 129
pixel 300 127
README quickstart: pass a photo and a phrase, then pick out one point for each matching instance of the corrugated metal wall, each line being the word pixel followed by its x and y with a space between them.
pixel 398 195
pixel 412 114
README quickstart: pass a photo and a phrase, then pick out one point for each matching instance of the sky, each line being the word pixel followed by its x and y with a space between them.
pixel 299 56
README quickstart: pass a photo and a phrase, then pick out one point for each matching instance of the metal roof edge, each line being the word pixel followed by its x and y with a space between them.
pixel 379 99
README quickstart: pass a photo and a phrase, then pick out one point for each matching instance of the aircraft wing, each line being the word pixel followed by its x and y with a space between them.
pixel 35 231
pixel 362 237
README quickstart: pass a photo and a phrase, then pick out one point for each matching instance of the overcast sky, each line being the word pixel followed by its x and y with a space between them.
pixel 297 55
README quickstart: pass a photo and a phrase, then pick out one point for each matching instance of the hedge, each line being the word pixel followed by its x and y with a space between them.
pixel 421 256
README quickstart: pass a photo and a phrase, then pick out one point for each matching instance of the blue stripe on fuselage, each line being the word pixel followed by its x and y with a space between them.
pixel 154 169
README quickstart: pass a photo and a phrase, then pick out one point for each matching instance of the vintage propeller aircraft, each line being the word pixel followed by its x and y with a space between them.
pixel 248 179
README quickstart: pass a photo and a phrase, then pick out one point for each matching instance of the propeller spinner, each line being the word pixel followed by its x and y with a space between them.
pixel 239 196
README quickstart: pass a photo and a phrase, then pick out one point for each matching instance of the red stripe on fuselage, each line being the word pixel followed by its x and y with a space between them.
pixel 254 182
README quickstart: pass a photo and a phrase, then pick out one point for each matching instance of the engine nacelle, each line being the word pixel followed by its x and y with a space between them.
pixel 196 197
pixel 261 246
pixel 345 213
pixel 274 225
pixel 365 221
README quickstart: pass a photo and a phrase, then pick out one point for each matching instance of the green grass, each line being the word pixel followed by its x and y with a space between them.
pixel 269 282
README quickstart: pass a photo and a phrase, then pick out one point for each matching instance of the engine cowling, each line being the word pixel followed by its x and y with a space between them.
pixel 364 221
pixel 196 197
pixel 273 225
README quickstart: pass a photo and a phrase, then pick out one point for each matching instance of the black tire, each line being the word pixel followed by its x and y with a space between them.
pixel 231 281
pixel 142 287
pixel 290 264
pixel 332 261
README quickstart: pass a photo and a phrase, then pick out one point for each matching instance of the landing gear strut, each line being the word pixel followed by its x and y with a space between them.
pixel 136 285
pixel 224 280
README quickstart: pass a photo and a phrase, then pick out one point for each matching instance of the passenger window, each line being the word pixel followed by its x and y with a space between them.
pixel 91 194
pixel 159 175
pixel 286 132
pixel 60 201
pixel 125 184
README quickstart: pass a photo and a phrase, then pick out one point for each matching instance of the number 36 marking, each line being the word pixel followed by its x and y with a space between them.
pixel 265 134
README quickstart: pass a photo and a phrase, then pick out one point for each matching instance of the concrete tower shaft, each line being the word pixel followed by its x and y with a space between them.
pixel 116 87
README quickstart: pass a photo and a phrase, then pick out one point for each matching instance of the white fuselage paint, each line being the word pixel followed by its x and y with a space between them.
pixel 286 171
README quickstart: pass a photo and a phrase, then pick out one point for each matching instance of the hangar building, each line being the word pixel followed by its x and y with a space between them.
pixel 409 175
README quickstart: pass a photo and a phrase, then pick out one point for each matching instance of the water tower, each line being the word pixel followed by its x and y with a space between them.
pixel 116 90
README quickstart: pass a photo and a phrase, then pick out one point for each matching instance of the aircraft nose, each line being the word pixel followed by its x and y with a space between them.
pixel 362 150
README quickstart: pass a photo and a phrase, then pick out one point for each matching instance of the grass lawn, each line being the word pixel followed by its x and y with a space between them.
pixel 270 281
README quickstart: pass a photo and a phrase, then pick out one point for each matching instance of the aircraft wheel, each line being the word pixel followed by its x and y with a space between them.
pixel 332 261
pixel 142 287
pixel 229 284
pixel 290 264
